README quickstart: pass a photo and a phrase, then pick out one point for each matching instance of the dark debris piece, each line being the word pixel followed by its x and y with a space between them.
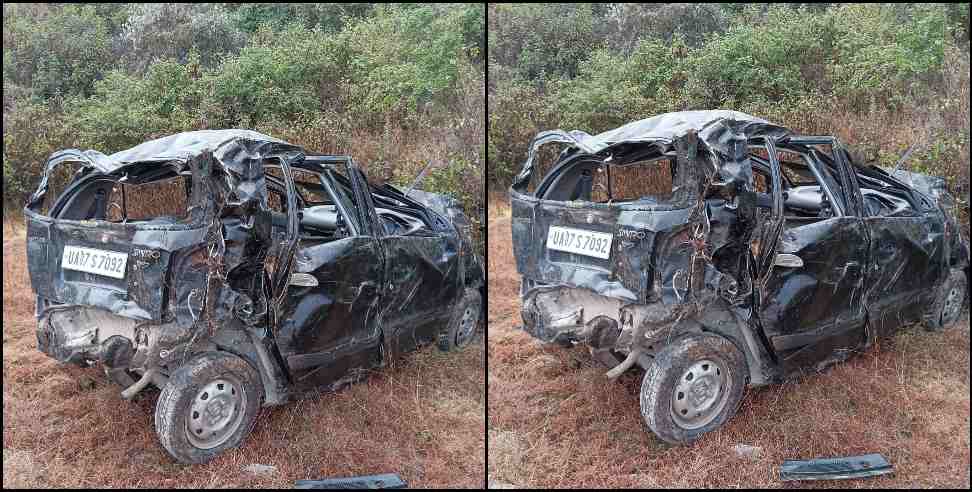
pixel 383 481
pixel 868 465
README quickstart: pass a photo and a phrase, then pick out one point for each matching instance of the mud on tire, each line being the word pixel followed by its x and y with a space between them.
pixel 949 302
pixel 200 396
pixel 667 387
pixel 464 323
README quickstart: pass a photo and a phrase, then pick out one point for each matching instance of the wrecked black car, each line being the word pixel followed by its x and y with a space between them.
pixel 716 250
pixel 234 270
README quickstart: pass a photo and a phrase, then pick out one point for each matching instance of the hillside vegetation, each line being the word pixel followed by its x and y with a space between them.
pixel 880 77
pixel 395 86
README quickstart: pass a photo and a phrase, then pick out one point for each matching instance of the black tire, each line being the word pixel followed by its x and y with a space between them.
pixel 949 302
pixel 716 358
pixel 462 328
pixel 185 391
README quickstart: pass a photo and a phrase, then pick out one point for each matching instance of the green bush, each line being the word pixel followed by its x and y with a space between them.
pixel 404 58
pixel 876 55
pixel 264 83
pixel 54 50
pixel 535 39
pixel 393 86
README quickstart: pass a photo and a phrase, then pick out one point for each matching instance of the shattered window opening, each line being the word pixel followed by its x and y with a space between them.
pixel 648 180
pixel 321 218
pixel 308 184
pixel 164 199
pixel 883 197
pixel 547 158
pixel 643 180
pixel 795 169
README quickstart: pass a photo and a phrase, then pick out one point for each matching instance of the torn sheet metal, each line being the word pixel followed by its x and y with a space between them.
pixel 866 252
pixel 227 167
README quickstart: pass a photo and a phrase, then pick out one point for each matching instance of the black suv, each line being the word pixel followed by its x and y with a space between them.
pixel 716 250
pixel 234 270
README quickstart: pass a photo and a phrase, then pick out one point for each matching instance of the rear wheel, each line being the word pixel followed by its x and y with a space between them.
pixel 693 386
pixel 208 406
pixel 462 328
pixel 948 305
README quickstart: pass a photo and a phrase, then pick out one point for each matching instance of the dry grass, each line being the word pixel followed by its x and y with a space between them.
pixel 556 421
pixel 421 418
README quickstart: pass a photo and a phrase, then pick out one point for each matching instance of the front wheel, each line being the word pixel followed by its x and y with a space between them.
pixel 693 386
pixel 948 305
pixel 462 328
pixel 208 406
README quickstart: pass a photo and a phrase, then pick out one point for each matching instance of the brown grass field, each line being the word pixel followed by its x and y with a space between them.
pixel 422 418
pixel 554 420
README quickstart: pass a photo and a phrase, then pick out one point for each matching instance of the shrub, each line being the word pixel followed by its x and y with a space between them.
pixel 393 86
pixel 54 50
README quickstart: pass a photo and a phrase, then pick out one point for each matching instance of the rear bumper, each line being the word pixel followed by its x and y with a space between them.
pixel 83 335
pixel 559 313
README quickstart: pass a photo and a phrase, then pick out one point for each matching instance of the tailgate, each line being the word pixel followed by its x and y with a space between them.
pixel 611 250
pixel 121 268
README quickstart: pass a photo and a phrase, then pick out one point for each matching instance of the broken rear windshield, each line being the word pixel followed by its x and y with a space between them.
pixel 653 180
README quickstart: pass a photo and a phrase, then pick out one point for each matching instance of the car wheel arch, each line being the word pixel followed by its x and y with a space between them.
pixel 720 322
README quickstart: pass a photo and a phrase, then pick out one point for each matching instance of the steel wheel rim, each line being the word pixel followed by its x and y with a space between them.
pixel 700 394
pixel 215 413
pixel 467 324
pixel 952 304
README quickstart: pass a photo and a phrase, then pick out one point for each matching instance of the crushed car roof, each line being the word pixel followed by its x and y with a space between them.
pixel 232 149
pixel 724 134
pixel 180 147
pixel 669 126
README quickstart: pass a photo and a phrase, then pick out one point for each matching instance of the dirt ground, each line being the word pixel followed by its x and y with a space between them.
pixel 64 426
pixel 554 420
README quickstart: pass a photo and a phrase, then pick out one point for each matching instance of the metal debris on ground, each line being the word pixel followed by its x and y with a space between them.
pixel 868 465
pixel 383 481
pixel 258 469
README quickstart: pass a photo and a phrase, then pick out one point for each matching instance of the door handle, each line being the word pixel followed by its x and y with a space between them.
pixel 788 260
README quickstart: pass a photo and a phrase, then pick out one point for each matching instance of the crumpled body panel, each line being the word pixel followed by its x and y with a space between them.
pixel 175 269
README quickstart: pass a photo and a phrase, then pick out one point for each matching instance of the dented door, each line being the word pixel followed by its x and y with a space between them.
pixel 324 325
pixel 907 258
pixel 815 309
pixel 422 282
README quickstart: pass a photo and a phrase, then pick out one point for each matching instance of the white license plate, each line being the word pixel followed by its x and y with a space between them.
pixel 100 262
pixel 589 243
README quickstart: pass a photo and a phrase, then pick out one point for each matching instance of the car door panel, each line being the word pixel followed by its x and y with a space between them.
pixel 814 311
pixel 904 267
pixel 319 322
pixel 822 299
pixel 422 273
